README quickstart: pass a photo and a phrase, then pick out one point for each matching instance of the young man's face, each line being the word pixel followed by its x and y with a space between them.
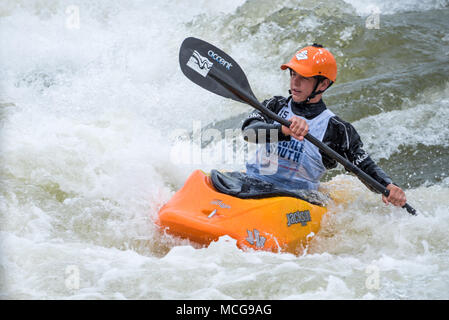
pixel 300 86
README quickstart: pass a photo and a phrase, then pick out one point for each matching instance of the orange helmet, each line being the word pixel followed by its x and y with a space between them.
pixel 312 61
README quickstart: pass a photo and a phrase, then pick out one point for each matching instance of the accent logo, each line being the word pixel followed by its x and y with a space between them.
pixel 219 59
pixel 200 64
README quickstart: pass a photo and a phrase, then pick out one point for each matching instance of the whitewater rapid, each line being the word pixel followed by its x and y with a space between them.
pixel 91 92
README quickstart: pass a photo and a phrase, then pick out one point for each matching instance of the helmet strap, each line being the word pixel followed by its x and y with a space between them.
pixel 315 93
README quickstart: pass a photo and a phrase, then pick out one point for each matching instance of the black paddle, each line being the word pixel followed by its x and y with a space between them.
pixel 212 69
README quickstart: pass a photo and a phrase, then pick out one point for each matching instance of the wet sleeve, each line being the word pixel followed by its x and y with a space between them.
pixel 259 128
pixel 342 137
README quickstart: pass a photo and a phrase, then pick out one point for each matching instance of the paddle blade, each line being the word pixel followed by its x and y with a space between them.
pixel 212 69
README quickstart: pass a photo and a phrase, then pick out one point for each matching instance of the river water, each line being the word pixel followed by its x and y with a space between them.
pixel 90 97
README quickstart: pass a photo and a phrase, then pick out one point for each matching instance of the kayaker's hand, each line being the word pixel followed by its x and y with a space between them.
pixel 298 129
pixel 396 197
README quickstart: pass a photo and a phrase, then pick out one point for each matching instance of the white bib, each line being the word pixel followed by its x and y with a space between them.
pixel 292 164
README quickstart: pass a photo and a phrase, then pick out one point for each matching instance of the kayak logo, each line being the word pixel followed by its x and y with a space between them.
pixel 219 59
pixel 255 238
pixel 302 55
pixel 200 64
pixel 298 217
pixel 221 204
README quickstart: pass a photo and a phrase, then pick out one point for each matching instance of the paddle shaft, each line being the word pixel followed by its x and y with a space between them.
pixel 320 145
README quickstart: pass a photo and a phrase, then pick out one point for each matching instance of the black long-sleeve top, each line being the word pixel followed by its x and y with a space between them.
pixel 340 135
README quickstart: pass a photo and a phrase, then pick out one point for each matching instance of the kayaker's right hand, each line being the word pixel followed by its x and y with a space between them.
pixel 298 129
pixel 396 197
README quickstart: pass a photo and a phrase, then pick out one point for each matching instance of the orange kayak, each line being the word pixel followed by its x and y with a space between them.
pixel 201 214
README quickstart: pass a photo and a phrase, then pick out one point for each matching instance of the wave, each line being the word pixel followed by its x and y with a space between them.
pixel 416 122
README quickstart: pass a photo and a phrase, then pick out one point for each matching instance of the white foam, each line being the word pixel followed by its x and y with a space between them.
pixel 364 8
pixel 417 122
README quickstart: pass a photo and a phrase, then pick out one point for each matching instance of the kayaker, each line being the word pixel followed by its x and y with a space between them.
pixel 290 161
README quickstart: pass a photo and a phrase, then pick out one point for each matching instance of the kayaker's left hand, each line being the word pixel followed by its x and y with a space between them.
pixel 396 197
